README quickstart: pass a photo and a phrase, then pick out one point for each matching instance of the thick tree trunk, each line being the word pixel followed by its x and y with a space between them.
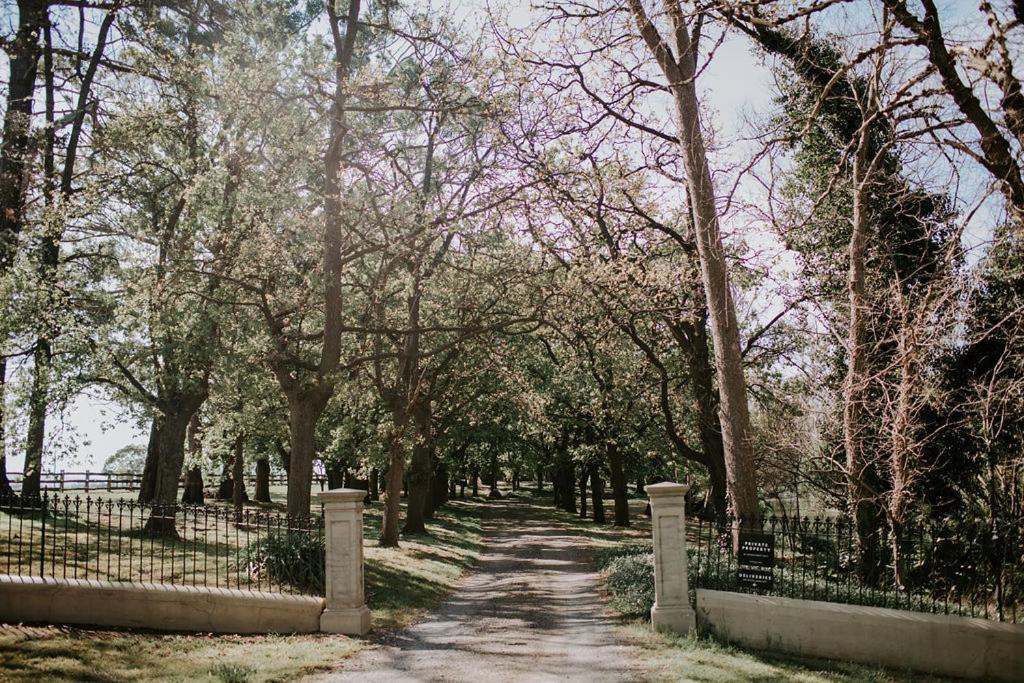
pixel 709 427
pixel 567 486
pixel 495 472
pixel 620 492
pixel 583 491
pixel 418 476
pixel 741 476
pixel 392 495
pixel 475 480
pixel 678 62
pixel 864 508
pixel 168 472
pixel 192 493
pixel 193 490
pixel 597 492
pixel 36 436
pixel 24 52
pixel 147 488
pixel 304 410
pixel 263 480
pixel 438 488
pixel 16 150
pixel 226 488
pixel 640 485
pixel 540 480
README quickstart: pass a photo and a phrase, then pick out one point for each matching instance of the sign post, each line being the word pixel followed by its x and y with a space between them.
pixel 756 559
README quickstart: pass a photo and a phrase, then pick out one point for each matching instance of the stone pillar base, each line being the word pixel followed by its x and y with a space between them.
pixel 680 620
pixel 351 622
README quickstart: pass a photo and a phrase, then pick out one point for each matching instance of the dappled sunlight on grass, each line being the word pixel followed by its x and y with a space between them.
pixel 676 658
pixel 403 583
pixel 34 654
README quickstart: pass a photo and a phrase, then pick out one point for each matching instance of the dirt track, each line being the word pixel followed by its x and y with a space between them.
pixel 529 612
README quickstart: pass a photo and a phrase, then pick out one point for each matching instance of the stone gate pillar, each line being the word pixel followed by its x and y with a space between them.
pixel 346 610
pixel 672 610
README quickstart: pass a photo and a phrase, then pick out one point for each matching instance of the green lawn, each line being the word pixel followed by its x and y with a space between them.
pixel 72 654
pixel 677 658
pixel 402 585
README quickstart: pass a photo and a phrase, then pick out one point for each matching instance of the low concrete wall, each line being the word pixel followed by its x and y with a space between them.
pixel 155 606
pixel 931 643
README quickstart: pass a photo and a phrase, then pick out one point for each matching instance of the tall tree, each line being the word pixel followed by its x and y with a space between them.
pixel 678 62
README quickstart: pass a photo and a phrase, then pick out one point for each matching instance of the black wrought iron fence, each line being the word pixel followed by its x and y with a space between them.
pixel 962 568
pixel 81 537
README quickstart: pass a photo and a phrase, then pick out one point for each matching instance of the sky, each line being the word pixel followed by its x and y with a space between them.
pixel 734 87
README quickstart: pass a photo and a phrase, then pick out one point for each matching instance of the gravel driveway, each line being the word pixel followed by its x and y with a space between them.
pixel 529 612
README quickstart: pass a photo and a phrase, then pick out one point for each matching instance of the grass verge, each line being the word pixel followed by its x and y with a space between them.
pixel 678 658
pixel 66 654
pixel 402 584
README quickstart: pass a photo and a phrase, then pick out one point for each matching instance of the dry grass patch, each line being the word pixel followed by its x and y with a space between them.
pixel 65 654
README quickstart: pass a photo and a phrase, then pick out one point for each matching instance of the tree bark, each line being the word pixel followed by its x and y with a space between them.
pixel 438 487
pixel 168 471
pixel 304 409
pixel 263 480
pixel 193 491
pixel 36 421
pixel 540 480
pixel 24 52
pixel 709 427
pixel 863 507
pixel 226 487
pixel 418 476
pixel 495 476
pixel 597 492
pixel 309 391
pixel 620 491
pixel 565 484
pixel 392 495
pixel 680 68
pixel 147 487
pixel 15 153
pixel 475 480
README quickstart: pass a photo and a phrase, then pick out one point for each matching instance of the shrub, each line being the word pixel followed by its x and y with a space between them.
pixel 232 673
pixel 291 559
pixel 604 556
pixel 630 581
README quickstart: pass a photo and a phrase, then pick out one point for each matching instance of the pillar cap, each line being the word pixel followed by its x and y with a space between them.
pixel 666 488
pixel 341 496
